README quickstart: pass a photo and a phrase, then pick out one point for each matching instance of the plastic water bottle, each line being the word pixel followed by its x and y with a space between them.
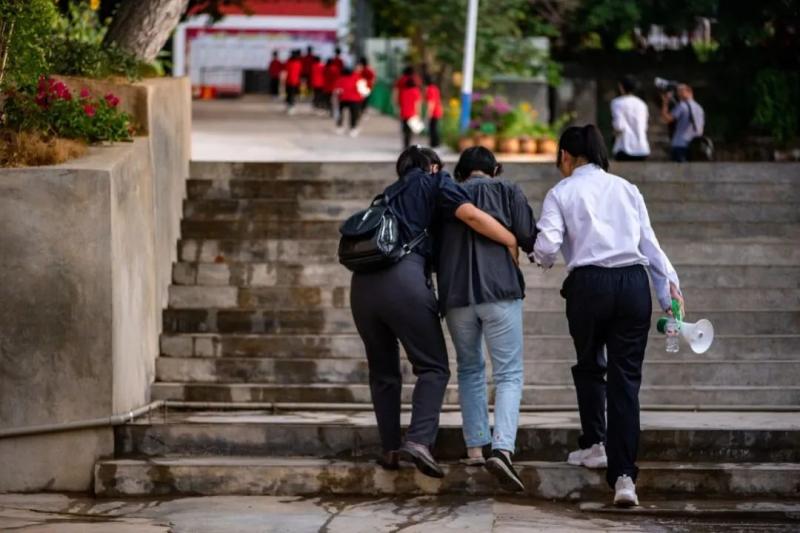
pixel 672 335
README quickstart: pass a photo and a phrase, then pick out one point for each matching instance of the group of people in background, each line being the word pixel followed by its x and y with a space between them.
pixel 334 86
pixel 630 117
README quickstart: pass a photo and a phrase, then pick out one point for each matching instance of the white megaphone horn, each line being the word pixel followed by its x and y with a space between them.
pixel 699 335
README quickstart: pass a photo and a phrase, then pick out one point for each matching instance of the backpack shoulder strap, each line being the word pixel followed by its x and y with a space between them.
pixel 691 117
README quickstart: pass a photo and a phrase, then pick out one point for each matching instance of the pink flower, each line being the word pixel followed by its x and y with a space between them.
pixel 61 91
pixel 112 100
pixel 85 93
pixel 89 109
pixel 41 99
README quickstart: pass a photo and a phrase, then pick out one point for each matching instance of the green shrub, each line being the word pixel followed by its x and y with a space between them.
pixel 25 36
pixel 78 48
pixel 777 93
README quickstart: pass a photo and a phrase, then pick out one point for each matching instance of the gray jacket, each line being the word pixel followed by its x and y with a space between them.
pixel 473 269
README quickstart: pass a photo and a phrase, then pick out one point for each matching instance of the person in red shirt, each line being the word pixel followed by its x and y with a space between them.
pixel 308 61
pixel 317 81
pixel 337 58
pixel 409 98
pixel 350 98
pixel 368 75
pixel 331 74
pixel 274 72
pixel 400 83
pixel 294 70
pixel 433 99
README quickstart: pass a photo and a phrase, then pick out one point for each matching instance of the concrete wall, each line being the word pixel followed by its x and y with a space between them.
pixel 85 255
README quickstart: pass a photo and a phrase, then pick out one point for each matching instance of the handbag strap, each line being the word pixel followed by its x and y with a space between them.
pixel 409 246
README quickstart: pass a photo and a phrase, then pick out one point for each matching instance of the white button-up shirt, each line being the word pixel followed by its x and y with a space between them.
pixel 597 218
pixel 629 118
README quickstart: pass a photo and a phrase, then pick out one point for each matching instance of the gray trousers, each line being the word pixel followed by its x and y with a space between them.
pixel 398 304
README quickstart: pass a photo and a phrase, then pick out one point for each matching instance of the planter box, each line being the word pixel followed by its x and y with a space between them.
pixel 85 256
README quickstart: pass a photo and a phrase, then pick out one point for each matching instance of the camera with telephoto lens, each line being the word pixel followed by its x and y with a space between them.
pixel 667 86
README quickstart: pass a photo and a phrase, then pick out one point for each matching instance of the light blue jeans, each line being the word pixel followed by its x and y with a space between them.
pixel 501 324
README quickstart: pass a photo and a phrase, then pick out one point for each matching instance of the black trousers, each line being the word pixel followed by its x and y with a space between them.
pixel 609 308
pixel 274 86
pixel 355 113
pixel 407 133
pixel 394 304
pixel 291 94
pixel 433 131
pixel 624 156
pixel 319 99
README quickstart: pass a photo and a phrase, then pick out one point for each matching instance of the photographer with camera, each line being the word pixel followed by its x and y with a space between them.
pixel 688 119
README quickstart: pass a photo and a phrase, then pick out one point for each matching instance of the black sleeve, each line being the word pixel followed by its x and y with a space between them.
pixel 523 223
pixel 450 195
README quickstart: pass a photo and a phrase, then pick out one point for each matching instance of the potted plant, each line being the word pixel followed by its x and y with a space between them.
pixel 547 143
pixel 514 127
pixel 486 136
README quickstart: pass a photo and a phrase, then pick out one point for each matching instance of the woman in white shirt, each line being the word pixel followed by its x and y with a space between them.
pixel 629 117
pixel 600 224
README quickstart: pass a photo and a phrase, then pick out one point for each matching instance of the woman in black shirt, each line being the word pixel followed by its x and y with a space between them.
pixel 398 303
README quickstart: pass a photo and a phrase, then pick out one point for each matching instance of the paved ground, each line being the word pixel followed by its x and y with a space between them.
pixel 254 128
pixel 51 513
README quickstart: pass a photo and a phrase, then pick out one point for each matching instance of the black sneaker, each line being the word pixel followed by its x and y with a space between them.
pixel 421 456
pixel 500 466
pixel 389 460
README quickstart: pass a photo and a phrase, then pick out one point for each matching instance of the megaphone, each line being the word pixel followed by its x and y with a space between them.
pixel 699 335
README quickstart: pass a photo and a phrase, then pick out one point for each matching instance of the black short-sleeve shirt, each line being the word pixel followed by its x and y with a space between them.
pixel 420 200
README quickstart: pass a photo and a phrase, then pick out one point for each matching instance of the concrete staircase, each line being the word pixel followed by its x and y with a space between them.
pixel 258 318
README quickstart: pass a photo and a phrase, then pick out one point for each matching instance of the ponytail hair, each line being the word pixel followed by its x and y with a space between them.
pixel 584 141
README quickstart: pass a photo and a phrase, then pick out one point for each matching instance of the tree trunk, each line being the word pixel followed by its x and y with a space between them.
pixel 141 27
pixel 6 33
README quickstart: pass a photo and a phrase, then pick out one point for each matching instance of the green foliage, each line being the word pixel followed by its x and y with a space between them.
pixel 26 27
pixel 50 108
pixel 436 29
pixel 78 48
pixel 777 103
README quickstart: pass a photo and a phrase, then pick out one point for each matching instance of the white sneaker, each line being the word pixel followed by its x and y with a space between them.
pixel 625 492
pixel 594 457
pixel 354 133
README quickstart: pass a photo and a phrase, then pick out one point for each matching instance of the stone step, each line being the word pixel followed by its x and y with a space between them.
pixel 339 209
pixel 333 274
pixel 540 395
pixel 364 190
pixel 638 172
pixel 550 299
pixel 316 251
pixel 349 346
pixel 537 371
pixel 543 436
pixel 288 476
pixel 294 229
pixel 762 322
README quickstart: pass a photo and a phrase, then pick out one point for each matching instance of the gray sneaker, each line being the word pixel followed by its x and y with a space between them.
pixel 420 455
pixel 625 492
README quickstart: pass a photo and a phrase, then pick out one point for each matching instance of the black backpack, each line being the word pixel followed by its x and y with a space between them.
pixel 371 238
pixel 701 147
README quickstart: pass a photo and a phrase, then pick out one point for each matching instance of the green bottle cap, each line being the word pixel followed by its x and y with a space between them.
pixel 661 325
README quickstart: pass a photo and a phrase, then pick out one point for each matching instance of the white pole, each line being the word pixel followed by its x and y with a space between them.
pixel 469 64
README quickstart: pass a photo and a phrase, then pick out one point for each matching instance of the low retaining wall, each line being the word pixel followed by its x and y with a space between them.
pixel 86 250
